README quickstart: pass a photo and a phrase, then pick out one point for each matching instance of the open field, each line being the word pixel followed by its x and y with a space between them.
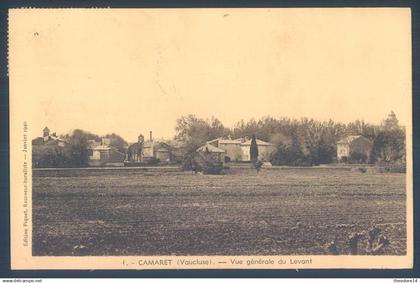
pixel 275 212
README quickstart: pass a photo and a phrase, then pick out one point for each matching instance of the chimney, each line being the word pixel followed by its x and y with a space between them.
pixel 151 137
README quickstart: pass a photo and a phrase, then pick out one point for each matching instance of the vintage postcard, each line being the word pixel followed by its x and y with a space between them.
pixel 229 138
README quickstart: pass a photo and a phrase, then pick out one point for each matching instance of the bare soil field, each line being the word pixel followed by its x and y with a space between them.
pixel 276 212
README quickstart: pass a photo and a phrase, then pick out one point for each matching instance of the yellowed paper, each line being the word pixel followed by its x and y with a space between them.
pixel 136 71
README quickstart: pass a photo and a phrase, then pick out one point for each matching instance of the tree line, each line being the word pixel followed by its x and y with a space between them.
pixel 299 142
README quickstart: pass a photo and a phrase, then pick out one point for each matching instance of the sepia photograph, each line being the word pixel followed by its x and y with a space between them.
pixel 211 138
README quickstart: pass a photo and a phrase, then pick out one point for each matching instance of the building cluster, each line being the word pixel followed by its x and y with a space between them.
pixel 357 148
pixel 48 139
pixel 237 150
pixel 103 152
pixel 151 151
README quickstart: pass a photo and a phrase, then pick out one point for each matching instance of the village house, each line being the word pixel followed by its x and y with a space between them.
pixel 231 147
pixel 150 150
pixel 163 153
pixel 356 147
pixel 177 151
pixel 103 154
pixel 239 149
pixel 265 149
pixel 48 139
pixel 156 149
pixel 45 148
pixel 216 154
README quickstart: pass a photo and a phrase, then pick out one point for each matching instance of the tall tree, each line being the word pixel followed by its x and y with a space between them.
pixel 389 147
pixel 117 141
pixel 391 122
pixel 76 149
pixel 253 150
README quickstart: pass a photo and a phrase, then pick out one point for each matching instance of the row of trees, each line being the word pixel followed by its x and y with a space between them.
pixel 298 141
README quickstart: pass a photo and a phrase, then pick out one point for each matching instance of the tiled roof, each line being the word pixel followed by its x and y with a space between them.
pixel 210 148
pixel 226 141
pixel 239 141
pixel 57 139
pixel 348 139
pixel 259 142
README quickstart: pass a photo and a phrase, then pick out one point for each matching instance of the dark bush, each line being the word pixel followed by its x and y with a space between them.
pixel 344 159
pixel 289 155
pixel 188 162
pixel 358 158
pixel 212 168
pixel 202 162
pixel 152 161
pixel 398 166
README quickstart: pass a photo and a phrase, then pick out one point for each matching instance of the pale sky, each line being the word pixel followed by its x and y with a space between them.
pixel 132 71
